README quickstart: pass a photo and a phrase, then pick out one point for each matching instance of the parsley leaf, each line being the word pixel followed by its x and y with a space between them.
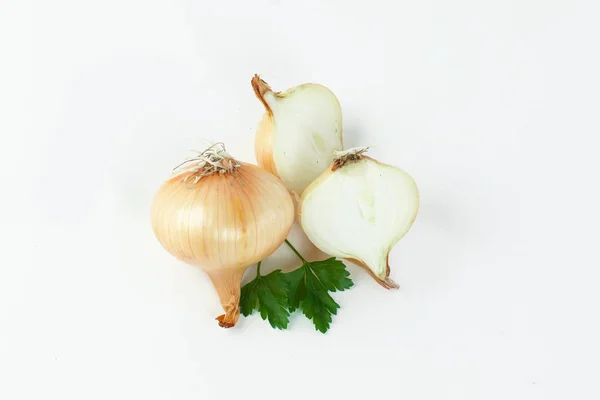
pixel 308 289
pixel 332 274
pixel 277 295
pixel 296 287
pixel 268 295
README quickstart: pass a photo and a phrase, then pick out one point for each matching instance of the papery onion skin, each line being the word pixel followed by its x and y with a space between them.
pixel 382 278
pixel 223 223
pixel 263 144
pixel 298 167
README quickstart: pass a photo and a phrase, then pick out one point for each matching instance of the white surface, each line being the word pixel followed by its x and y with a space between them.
pixel 491 106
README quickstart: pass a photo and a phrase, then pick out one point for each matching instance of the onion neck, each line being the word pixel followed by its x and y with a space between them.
pixel 384 280
pixel 228 282
pixel 260 89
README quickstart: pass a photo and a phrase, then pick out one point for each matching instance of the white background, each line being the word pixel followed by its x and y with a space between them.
pixel 492 106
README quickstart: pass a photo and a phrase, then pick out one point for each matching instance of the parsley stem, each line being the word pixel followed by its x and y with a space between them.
pixel 258 268
pixel 295 251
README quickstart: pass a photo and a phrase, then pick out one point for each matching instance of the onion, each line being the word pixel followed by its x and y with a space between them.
pixel 298 133
pixel 359 209
pixel 222 215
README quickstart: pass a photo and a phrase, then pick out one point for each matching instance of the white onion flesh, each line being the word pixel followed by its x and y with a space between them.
pixel 304 131
pixel 360 211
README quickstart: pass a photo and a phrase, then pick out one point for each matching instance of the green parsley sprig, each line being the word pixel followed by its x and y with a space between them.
pixel 277 295
pixel 268 295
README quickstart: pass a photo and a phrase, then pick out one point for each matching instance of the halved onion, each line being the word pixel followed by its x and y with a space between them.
pixel 359 209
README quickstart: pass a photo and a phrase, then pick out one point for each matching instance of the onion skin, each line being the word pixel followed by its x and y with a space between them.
pixel 384 281
pixel 223 223
pixel 263 142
